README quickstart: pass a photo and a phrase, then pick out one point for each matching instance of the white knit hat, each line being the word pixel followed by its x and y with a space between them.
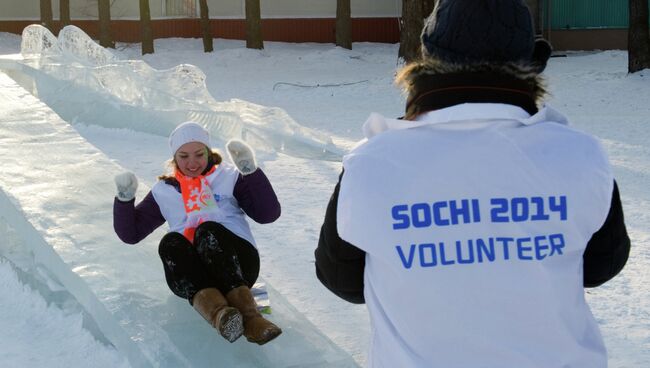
pixel 187 132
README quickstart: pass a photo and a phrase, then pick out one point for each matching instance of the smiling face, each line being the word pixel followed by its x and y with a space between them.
pixel 192 159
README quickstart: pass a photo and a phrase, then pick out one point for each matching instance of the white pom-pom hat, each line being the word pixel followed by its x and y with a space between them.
pixel 187 132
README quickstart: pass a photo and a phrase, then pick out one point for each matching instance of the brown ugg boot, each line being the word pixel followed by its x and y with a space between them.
pixel 212 306
pixel 256 328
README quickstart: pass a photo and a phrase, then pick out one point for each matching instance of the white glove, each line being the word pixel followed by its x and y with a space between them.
pixel 126 184
pixel 242 156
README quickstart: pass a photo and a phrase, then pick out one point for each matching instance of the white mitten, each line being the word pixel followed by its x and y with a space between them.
pixel 126 184
pixel 242 156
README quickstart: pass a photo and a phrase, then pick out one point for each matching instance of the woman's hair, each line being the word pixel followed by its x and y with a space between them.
pixel 213 159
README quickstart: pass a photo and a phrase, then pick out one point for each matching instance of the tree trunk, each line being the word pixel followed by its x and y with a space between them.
pixel 253 25
pixel 145 23
pixel 411 28
pixel 343 24
pixel 427 7
pixel 46 15
pixel 64 12
pixel 205 26
pixel 638 40
pixel 540 16
pixel 105 23
pixel 536 14
pixel 545 19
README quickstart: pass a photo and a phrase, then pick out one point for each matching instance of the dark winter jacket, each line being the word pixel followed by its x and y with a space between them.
pixel 253 192
pixel 339 264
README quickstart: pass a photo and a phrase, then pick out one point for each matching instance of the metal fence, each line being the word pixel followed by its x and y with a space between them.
pixel 586 14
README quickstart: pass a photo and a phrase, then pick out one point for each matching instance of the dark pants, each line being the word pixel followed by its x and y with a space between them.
pixel 218 258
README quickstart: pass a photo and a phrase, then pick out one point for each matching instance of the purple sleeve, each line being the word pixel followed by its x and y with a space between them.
pixel 134 223
pixel 257 198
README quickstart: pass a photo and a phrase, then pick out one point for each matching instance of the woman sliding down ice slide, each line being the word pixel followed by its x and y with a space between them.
pixel 209 255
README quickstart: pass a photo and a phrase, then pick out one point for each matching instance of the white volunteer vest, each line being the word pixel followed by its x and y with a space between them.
pixel 229 214
pixel 474 220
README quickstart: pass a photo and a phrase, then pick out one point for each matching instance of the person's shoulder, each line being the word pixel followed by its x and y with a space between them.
pixel 554 122
pixel 382 136
pixel 559 138
pixel 569 134
pixel 164 184
pixel 381 142
pixel 226 167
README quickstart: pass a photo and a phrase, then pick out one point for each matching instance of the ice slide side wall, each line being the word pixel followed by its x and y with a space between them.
pixel 48 199
pixel 46 258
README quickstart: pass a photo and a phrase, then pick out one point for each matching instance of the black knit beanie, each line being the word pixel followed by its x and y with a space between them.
pixel 484 31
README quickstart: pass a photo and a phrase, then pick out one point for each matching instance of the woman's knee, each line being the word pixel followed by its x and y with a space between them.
pixel 170 242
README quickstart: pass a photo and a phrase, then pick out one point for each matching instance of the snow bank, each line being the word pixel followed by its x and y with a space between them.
pixel 117 93
pixel 56 195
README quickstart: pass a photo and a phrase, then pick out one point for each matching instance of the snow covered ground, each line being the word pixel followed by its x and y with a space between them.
pixel 318 92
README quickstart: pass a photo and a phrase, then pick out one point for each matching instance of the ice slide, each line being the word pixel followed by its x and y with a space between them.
pixel 56 195
pixel 116 93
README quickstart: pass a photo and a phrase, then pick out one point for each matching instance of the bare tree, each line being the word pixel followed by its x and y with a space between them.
pixel 104 10
pixel 427 7
pixel 535 7
pixel 145 23
pixel 46 15
pixel 253 25
pixel 638 39
pixel 64 12
pixel 343 24
pixel 410 29
pixel 206 28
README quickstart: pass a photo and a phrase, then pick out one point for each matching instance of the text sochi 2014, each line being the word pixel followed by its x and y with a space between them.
pixel 445 252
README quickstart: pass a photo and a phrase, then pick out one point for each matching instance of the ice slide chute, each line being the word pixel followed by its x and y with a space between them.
pixel 56 193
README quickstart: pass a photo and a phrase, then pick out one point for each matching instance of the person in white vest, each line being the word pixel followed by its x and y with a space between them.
pixel 471 227
pixel 209 255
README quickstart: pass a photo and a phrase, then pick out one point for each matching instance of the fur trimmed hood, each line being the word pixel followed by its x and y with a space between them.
pixel 421 76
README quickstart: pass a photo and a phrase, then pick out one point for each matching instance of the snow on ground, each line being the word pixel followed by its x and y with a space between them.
pixel 331 91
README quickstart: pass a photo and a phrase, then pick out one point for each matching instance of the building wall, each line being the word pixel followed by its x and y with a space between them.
pixel 286 20
pixel 588 39
pixel 384 30
pixel 129 9
pixel 585 14
pixel 19 10
pixel 327 8
pixel 79 9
